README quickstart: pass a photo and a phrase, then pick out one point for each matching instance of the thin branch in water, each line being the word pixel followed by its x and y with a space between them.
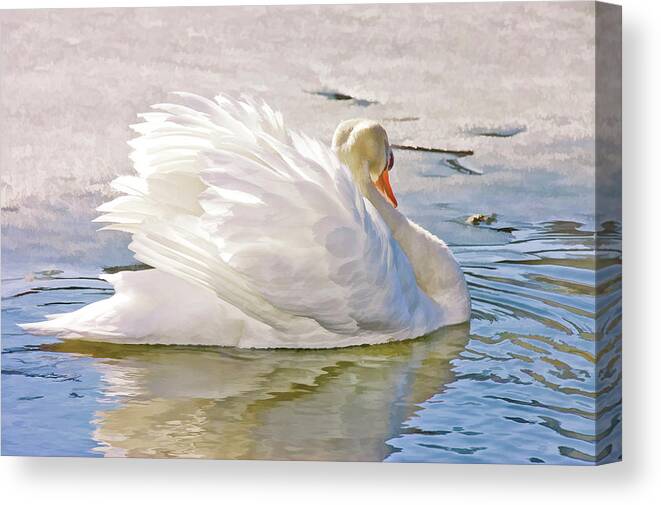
pixel 458 153
pixel 452 162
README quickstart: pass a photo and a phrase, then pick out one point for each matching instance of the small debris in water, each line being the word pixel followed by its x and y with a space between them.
pixel 28 398
pixel 454 152
pixel 126 268
pixel 462 167
pixel 476 219
pixel 507 229
pixel 335 95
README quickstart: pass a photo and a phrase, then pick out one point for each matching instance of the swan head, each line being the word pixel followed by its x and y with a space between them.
pixel 362 145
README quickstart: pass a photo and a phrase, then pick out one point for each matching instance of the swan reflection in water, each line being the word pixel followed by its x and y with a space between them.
pixel 336 404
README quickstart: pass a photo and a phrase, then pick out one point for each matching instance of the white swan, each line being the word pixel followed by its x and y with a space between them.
pixel 261 237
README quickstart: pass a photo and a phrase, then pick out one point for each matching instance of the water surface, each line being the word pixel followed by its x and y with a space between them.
pixel 517 385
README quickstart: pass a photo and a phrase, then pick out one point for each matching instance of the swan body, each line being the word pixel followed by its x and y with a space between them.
pixel 262 237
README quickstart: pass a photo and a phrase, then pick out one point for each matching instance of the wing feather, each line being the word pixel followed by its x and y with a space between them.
pixel 269 220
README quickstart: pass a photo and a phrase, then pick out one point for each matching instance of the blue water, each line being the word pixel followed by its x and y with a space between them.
pixel 517 385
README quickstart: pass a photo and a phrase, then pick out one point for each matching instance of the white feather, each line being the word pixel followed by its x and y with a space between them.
pixel 259 238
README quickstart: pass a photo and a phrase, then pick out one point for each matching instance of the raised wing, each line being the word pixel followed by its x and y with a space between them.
pixel 228 198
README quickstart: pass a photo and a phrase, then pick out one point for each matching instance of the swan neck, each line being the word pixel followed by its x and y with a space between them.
pixel 393 218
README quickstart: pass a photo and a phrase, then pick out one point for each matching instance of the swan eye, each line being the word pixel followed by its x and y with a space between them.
pixel 391 161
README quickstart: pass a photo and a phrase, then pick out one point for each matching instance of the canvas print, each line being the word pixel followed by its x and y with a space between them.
pixel 343 233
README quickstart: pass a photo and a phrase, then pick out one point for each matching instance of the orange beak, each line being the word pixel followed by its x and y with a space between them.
pixel 383 185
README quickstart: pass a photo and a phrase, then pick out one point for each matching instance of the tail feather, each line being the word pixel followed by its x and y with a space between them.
pixel 148 307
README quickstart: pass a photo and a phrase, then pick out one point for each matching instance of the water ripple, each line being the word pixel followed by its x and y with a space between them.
pixel 536 377
pixel 536 338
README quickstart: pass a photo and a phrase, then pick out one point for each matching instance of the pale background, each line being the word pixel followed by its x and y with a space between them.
pixel 77 79
pixel 634 481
